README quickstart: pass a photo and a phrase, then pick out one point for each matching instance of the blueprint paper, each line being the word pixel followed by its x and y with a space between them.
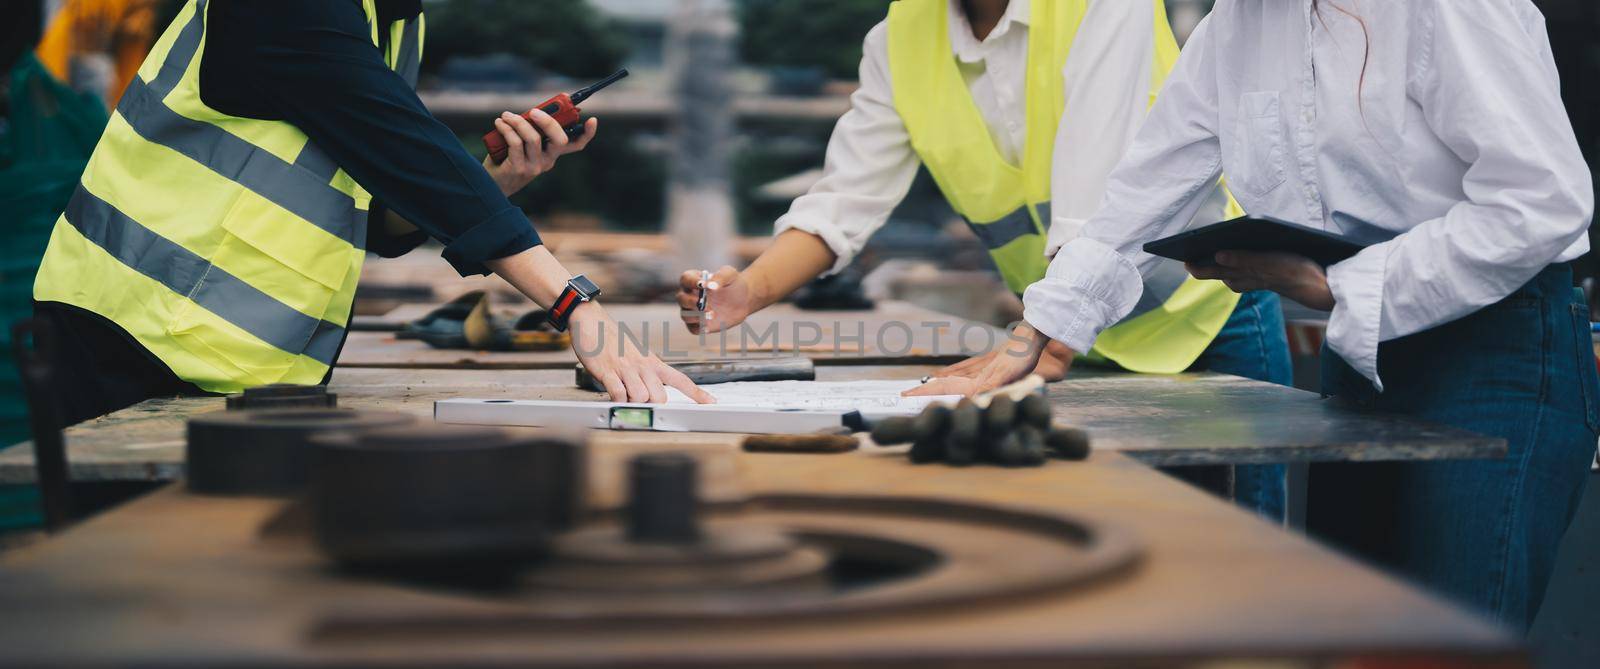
pixel 873 396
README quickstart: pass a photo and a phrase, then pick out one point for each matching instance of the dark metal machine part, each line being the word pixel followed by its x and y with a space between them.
pixel 439 498
pixel 664 548
pixel 780 558
pixel 662 504
pixel 266 452
pixel 283 396
pixel 669 560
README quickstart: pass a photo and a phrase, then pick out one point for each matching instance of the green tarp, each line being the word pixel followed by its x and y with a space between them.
pixel 45 140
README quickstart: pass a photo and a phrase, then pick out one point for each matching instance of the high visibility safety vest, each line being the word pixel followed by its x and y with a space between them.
pixel 228 247
pixel 1008 206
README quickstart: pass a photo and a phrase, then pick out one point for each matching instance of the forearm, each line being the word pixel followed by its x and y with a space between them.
pixel 535 273
pixel 793 260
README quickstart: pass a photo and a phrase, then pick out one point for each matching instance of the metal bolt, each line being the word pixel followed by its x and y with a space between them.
pixel 662 502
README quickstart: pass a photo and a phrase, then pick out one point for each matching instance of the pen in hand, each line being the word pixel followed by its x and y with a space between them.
pixel 705 281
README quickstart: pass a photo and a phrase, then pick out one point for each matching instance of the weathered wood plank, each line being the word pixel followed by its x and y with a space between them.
pixel 170 579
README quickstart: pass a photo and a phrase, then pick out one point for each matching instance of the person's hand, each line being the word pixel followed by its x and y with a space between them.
pixel 729 300
pixel 1009 364
pixel 1293 276
pixel 527 156
pixel 1053 365
pixel 628 374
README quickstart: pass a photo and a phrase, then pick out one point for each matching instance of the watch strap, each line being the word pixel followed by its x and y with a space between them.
pixel 568 301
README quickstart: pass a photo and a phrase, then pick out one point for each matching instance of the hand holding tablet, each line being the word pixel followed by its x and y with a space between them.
pixel 1254 233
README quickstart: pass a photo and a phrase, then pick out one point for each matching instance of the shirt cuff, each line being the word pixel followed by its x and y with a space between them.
pixel 1355 328
pixel 828 231
pixel 1088 288
pixel 1062 230
pixel 504 234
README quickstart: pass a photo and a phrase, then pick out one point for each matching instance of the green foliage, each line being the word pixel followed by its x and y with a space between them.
pixel 611 179
pixel 792 33
pixel 569 37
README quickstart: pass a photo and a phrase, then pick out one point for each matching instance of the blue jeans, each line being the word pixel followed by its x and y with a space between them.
pixel 1483 532
pixel 1253 344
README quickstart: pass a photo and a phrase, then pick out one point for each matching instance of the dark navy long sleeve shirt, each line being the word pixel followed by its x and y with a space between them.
pixel 312 63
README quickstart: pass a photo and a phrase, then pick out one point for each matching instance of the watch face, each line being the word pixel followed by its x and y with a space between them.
pixel 585 286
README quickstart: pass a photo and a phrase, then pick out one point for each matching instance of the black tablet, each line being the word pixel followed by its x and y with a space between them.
pixel 1254 233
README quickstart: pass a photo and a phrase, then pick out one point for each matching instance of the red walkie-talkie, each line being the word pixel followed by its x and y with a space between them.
pixel 563 108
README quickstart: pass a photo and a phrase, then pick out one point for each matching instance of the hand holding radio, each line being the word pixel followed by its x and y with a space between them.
pixel 524 147
pixel 533 143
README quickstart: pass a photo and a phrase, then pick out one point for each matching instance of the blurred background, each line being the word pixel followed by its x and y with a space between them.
pixel 724 121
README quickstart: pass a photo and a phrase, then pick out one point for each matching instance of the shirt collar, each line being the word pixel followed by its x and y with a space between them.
pixel 967 47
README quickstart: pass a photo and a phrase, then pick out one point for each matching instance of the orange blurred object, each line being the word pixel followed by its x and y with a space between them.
pixel 116 31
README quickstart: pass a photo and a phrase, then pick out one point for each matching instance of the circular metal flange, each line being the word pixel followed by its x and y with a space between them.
pixel 884 555
pixel 283 396
pixel 266 452
pixel 438 496
pixel 726 555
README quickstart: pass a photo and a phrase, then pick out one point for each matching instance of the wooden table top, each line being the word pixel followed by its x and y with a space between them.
pixel 1158 420
pixel 171 579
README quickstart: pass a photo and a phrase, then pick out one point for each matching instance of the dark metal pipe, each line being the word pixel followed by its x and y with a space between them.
pixel 662 506
pixel 49 448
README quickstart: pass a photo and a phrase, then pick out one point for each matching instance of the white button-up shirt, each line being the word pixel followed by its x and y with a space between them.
pixel 1438 136
pixel 870 163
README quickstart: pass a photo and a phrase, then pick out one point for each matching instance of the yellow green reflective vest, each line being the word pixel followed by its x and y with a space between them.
pixel 1008 206
pixel 228 247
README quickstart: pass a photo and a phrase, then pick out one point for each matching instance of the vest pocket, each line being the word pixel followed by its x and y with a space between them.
pixel 272 277
pixel 1261 144
pixel 304 249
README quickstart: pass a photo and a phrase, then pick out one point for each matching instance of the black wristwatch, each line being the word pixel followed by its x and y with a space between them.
pixel 579 290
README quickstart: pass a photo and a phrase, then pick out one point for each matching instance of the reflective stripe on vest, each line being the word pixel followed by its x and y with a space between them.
pixel 1009 228
pixel 232 157
pixel 299 192
pixel 229 247
pixel 1159 284
pixel 315 161
pixel 409 59
pixel 1008 206
pixel 220 293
